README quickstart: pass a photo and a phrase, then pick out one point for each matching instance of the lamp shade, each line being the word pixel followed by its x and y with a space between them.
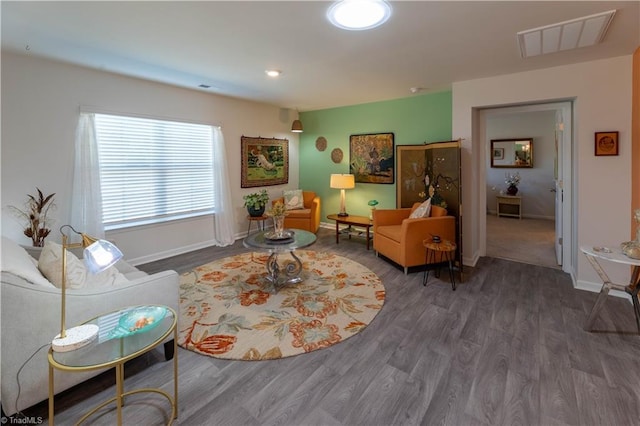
pixel 101 255
pixel 343 181
pixel 296 127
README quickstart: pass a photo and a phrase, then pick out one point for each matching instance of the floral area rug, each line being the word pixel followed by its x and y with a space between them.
pixel 228 310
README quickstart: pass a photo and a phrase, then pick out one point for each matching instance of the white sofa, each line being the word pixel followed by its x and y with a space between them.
pixel 30 318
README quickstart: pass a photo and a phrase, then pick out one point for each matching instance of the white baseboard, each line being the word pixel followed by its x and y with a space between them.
pixel 525 216
pixel 596 287
pixel 174 252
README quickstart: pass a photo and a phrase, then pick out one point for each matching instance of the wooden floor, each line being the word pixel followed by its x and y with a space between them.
pixel 506 348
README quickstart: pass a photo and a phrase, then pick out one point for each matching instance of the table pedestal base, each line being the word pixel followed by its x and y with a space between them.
pixel 282 275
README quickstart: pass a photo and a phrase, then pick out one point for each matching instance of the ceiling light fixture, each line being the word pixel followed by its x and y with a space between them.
pixel 359 14
pixel 273 73
pixel 579 32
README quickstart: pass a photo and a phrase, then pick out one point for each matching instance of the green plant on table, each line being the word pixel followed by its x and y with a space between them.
pixel 256 200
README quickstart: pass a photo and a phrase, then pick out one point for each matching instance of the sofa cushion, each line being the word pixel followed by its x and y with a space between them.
pixel 16 261
pixel 50 264
pixel 299 214
pixel 392 232
pixel 293 199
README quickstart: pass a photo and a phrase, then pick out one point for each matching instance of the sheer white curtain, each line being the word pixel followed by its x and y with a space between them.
pixel 86 198
pixel 223 220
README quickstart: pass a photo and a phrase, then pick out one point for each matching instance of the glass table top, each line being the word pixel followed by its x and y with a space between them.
pixel 122 335
pixel 299 239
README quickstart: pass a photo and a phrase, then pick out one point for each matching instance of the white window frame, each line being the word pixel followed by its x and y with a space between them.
pixel 138 154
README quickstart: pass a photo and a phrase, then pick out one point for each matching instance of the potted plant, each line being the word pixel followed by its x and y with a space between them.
pixel 256 202
pixel 35 214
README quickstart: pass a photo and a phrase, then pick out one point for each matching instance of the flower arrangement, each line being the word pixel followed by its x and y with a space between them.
pixel 512 179
pixel 277 209
pixel 35 214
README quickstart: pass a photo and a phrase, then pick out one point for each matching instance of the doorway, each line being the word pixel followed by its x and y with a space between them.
pixel 537 237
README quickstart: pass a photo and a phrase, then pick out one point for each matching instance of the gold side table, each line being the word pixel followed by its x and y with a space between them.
pixel 112 349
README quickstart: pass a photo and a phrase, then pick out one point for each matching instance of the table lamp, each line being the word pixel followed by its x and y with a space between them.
pixel 342 182
pixel 98 256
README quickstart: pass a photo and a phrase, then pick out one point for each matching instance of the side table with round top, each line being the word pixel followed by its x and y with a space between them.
pixel 446 250
pixel 114 346
pixel 259 220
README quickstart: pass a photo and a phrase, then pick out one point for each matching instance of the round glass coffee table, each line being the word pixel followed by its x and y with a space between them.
pixel 286 274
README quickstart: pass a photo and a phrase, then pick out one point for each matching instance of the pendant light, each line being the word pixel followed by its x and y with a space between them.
pixel 296 126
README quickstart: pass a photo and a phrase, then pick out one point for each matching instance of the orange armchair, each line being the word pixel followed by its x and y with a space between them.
pixel 399 238
pixel 307 218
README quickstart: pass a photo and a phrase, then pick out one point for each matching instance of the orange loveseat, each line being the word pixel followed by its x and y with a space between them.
pixel 399 238
pixel 307 218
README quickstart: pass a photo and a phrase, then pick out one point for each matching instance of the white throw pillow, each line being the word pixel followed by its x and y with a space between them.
pixel 293 199
pixel 78 276
pixel 423 211
pixel 16 261
pixel 50 264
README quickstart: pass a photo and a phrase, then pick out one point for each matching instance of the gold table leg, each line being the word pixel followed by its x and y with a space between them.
pixel 50 395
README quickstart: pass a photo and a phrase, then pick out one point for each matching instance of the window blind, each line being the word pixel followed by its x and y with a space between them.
pixel 153 170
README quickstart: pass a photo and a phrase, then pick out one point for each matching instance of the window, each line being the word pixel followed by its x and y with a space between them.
pixel 153 170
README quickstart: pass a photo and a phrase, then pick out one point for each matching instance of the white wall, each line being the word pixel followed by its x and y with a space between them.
pixel 602 185
pixel 40 107
pixel 537 200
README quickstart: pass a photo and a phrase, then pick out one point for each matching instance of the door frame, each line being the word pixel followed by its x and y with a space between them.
pixel 567 146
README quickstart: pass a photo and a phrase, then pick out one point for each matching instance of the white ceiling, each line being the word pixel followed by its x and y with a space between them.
pixel 228 45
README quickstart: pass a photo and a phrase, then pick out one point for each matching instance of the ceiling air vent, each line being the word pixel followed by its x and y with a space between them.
pixel 579 32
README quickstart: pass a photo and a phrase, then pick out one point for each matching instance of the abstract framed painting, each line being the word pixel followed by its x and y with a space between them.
pixel 371 158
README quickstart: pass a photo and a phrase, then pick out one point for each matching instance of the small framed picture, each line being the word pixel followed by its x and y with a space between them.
pixel 498 153
pixel 606 143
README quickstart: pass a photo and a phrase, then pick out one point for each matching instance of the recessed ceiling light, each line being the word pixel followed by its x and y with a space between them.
pixel 273 73
pixel 359 14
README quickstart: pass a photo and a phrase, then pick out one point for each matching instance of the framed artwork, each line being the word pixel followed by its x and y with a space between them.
pixel 265 161
pixel 606 143
pixel 371 158
pixel 498 153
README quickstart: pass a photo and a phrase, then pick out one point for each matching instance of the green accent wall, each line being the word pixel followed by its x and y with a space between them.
pixel 413 121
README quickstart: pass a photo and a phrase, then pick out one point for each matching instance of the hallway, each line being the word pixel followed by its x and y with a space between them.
pixel 523 240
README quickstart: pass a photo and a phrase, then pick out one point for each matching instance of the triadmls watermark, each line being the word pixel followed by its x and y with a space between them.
pixel 22 420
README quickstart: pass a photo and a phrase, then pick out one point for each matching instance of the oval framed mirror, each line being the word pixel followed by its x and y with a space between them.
pixel 512 153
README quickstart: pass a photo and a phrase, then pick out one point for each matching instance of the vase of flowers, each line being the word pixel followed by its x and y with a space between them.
pixel 512 181
pixel 277 213
pixel 35 215
pixel 632 248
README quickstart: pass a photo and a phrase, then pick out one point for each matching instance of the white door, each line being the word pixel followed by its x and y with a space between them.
pixel 558 187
